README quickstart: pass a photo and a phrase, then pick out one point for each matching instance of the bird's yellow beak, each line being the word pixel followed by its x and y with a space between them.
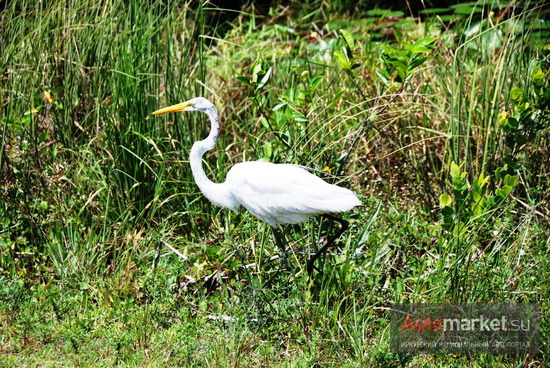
pixel 174 108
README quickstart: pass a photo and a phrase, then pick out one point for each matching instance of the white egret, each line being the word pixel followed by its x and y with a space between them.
pixel 274 193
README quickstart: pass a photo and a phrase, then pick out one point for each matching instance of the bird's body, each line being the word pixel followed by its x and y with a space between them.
pixel 274 193
pixel 284 193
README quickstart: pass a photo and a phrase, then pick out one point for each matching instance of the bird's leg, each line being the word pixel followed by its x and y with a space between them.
pixel 280 243
pixel 343 228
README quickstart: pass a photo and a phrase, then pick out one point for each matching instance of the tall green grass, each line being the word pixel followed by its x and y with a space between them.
pixel 93 187
pixel 93 149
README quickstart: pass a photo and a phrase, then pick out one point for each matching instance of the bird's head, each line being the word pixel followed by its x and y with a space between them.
pixel 194 104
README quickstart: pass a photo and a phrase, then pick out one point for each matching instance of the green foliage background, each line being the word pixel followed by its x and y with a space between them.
pixel 439 122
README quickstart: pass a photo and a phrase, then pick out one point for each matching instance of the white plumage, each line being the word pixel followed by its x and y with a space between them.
pixel 285 194
pixel 274 193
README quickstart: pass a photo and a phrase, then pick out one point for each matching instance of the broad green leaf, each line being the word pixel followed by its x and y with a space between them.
pixel 425 42
pixel 315 82
pixel 434 11
pixel 399 65
pixel 264 122
pixel 342 59
pixel 459 183
pixel 416 63
pixel 445 200
pixel 521 107
pixel 538 76
pixel 297 116
pixel 511 180
pixel 348 38
pixel 513 123
pixel 383 13
pixel 420 49
pixel 243 80
pixel 467 8
pixel 501 118
pixel 389 52
pixel 516 94
pixel 448 214
pixel 455 170
pixel 421 46
pixel 400 54
pixel 503 191
pixel 279 105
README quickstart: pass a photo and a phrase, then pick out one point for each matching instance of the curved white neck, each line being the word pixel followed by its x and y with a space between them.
pixel 216 193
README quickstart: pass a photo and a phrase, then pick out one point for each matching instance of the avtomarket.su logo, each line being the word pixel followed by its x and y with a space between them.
pixel 465 324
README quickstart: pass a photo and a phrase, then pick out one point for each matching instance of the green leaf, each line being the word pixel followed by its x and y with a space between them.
pixel 268 151
pixel 315 83
pixel 513 123
pixel 399 65
pixel 516 94
pixel 395 54
pixel 416 63
pixel 460 229
pixel 511 180
pixel 467 8
pixel 538 76
pixel 243 80
pixel 264 122
pixel 264 79
pixel 425 42
pixel 503 191
pixel 478 206
pixel 420 49
pixel 448 214
pixel 455 170
pixel 459 183
pixel 298 116
pixel 445 200
pixel 434 11
pixel 280 105
pixel 256 67
pixel 501 118
pixel 383 75
pixel 480 182
pixel 348 38
pixel 342 59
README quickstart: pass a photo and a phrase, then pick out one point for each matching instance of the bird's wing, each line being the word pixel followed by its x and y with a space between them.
pixel 283 193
